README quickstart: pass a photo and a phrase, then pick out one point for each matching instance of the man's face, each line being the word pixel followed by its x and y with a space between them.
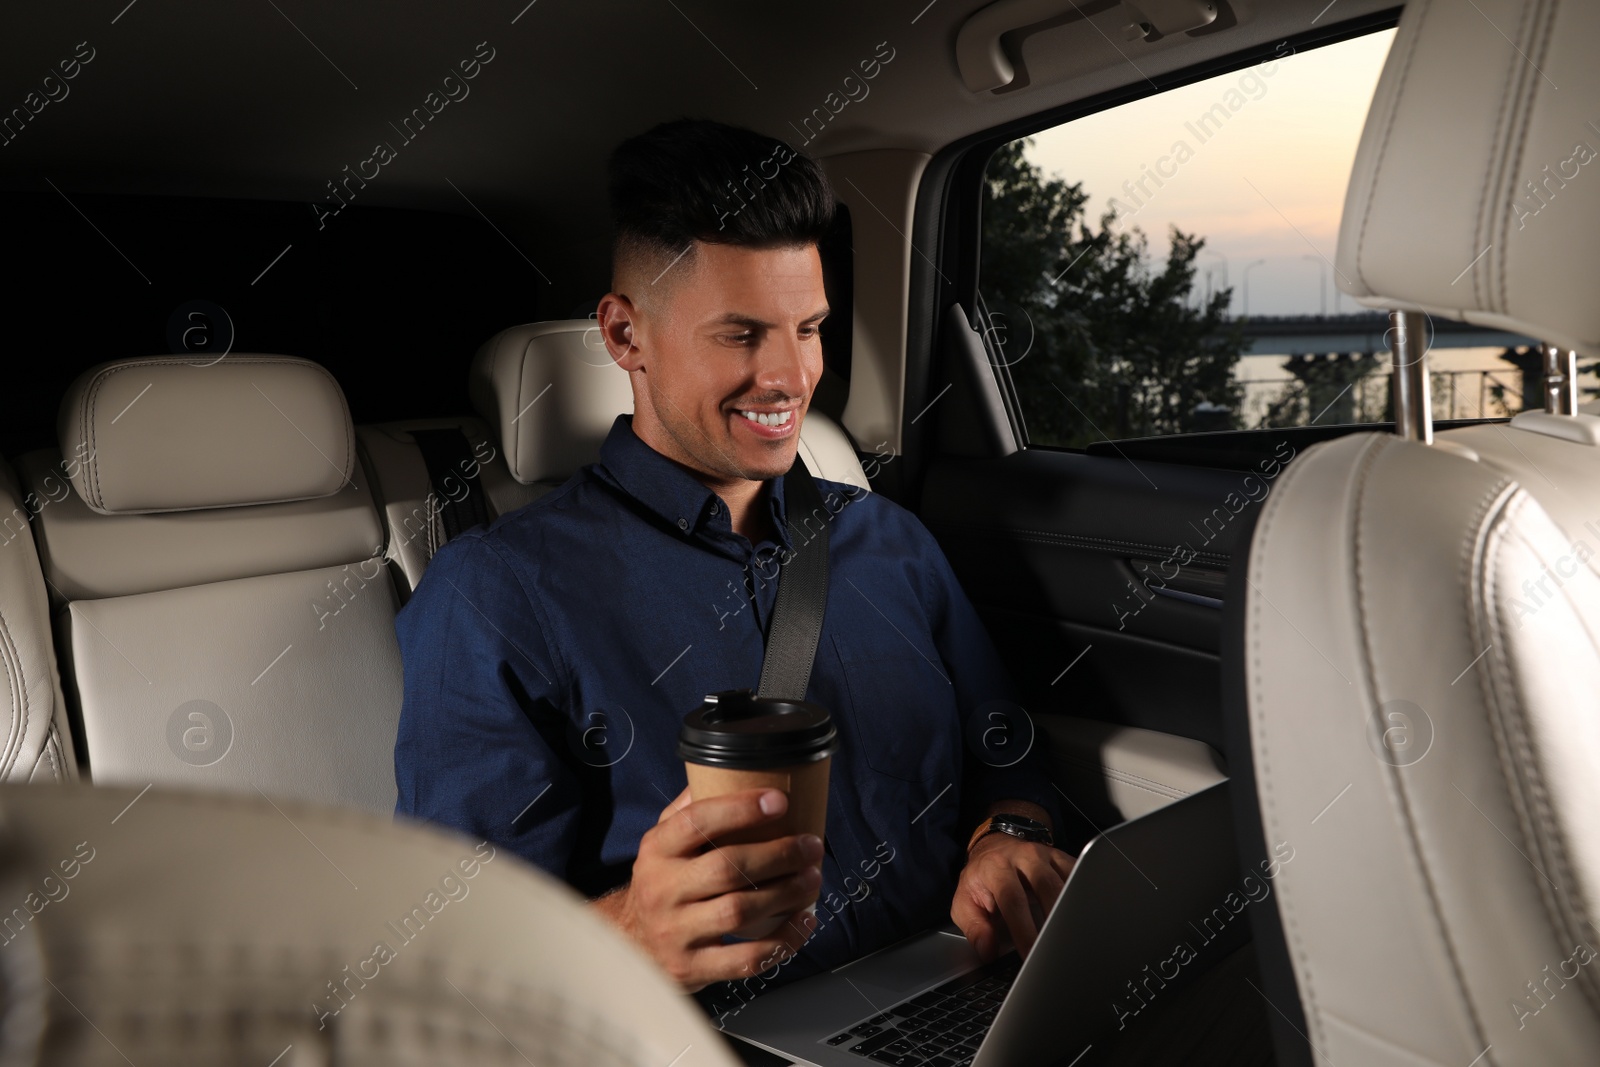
pixel 733 334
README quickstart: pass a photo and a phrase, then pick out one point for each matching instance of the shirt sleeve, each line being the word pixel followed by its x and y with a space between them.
pixel 481 721
pixel 1003 756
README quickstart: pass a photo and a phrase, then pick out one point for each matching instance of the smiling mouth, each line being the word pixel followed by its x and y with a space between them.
pixel 768 418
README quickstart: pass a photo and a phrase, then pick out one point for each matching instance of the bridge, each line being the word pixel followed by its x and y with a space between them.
pixel 1337 365
pixel 1275 335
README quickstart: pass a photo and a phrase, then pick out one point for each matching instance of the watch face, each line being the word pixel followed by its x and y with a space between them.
pixel 1022 826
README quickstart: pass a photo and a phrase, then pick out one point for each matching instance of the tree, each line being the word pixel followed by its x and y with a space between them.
pixel 1099 342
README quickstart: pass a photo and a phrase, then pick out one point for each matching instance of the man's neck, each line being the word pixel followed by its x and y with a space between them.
pixel 747 509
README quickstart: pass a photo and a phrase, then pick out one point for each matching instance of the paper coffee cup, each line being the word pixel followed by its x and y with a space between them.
pixel 737 741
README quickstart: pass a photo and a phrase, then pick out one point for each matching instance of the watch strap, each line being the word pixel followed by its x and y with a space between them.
pixel 988 826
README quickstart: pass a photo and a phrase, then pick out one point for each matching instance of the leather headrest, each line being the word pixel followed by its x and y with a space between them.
pixel 174 433
pixel 1476 188
pixel 562 367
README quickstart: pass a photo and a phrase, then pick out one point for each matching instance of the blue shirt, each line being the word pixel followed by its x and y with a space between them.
pixel 551 656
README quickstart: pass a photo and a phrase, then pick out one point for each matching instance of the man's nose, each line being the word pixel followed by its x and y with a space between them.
pixel 784 366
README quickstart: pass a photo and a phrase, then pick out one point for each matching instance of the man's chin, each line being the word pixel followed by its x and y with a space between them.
pixel 762 468
pixel 762 461
pixel 769 469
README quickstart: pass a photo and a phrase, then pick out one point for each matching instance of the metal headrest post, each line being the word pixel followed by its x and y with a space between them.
pixel 1560 380
pixel 1408 354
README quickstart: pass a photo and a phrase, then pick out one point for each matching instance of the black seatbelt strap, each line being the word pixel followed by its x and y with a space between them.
pixel 796 625
pixel 448 456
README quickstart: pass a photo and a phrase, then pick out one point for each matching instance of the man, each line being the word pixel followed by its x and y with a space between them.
pixel 551 657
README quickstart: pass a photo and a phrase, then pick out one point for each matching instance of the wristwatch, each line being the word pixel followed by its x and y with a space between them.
pixel 1015 825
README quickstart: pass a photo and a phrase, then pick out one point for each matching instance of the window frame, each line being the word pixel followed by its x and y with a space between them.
pixel 948 214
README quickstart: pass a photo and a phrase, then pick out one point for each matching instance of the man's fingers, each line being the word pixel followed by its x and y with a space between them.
pixel 984 936
pixel 1021 892
pixel 709 919
pixel 689 829
pixel 675 805
pixel 730 867
pixel 977 924
pixel 1051 878
pixel 1012 898
pixel 716 963
pixel 1045 882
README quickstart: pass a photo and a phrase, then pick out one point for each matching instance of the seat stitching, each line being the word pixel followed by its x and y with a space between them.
pixel 1126 777
pixel 1383 147
pixel 92 402
pixel 518 427
pixel 1529 793
pixel 58 755
pixel 1530 93
pixel 1301 961
pixel 1388 1041
pixel 1113 769
pixel 1482 291
pixel 87 427
pixel 47 754
pixel 1397 786
pixel 1165 792
pixel 11 660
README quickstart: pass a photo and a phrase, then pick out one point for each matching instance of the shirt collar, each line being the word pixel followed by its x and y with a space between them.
pixel 682 501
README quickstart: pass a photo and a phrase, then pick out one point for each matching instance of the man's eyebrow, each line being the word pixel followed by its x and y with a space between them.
pixel 733 318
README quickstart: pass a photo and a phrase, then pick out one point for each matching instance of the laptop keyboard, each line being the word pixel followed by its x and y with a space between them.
pixel 940 1028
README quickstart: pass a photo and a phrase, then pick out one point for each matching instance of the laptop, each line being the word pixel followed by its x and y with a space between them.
pixel 1108 949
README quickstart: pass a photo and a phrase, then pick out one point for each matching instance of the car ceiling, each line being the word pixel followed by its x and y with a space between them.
pixel 272 98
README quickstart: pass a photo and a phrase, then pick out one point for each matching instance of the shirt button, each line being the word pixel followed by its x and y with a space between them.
pixel 683 524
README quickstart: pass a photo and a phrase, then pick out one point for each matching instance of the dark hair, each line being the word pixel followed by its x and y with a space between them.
pixel 694 179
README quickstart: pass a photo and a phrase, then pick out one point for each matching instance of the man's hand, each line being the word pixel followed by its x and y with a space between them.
pixel 686 893
pixel 1006 889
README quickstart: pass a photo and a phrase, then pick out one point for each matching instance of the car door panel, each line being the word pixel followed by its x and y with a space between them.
pixel 1099 578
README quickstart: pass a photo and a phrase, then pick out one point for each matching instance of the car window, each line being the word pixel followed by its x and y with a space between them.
pixel 1167 266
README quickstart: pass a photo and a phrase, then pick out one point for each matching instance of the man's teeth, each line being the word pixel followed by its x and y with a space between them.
pixel 777 418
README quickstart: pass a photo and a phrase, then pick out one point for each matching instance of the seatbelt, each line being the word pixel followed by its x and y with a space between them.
pixel 802 599
pixel 448 456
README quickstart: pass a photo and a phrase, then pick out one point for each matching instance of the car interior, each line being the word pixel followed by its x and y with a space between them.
pixel 341 264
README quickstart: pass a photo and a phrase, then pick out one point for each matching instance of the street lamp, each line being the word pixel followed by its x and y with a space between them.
pixel 1322 280
pixel 1224 259
pixel 1248 267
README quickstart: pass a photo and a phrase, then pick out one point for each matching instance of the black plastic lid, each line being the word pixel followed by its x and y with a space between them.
pixel 737 729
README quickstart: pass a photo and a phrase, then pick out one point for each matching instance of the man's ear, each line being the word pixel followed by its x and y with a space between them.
pixel 617 319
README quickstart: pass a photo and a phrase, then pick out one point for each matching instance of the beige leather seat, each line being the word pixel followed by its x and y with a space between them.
pixel 1553 457
pixel 1430 752
pixel 38 743
pixel 225 615
pixel 1422 704
pixel 547 393
pixel 177 928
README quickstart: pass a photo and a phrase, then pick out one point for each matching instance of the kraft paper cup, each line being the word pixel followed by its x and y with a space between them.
pixel 738 741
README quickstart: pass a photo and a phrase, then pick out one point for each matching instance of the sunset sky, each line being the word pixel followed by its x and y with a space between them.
pixel 1284 152
pixel 1267 183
